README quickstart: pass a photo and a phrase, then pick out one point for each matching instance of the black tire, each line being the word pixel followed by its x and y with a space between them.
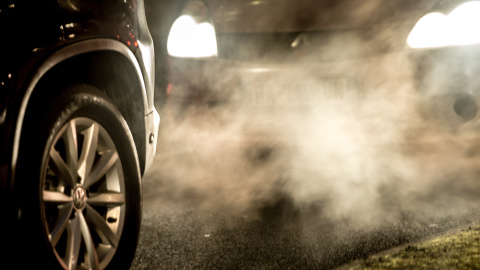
pixel 73 197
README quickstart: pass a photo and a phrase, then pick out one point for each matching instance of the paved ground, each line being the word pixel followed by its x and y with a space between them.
pixel 178 235
pixel 199 215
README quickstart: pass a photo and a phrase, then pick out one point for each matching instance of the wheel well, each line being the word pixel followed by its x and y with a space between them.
pixel 111 73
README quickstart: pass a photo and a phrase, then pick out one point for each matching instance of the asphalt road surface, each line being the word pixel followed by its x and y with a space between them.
pixel 203 212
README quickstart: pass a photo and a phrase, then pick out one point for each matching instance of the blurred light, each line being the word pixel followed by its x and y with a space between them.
pixel 466 22
pixel 259 70
pixel 460 27
pixel 257 3
pixel 429 32
pixel 188 38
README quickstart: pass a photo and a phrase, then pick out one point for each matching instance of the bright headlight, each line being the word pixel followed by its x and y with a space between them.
pixel 188 38
pixel 460 27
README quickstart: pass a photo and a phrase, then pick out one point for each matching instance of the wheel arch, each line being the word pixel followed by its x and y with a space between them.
pixel 104 63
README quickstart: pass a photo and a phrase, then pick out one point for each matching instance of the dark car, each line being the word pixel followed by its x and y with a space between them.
pixel 282 69
pixel 78 130
pixel 271 67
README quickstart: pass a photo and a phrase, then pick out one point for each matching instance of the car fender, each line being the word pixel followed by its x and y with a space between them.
pixel 56 58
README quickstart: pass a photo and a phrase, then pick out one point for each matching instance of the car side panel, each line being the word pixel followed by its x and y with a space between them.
pixel 55 31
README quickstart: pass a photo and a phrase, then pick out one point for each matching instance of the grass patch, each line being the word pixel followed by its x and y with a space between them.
pixel 459 250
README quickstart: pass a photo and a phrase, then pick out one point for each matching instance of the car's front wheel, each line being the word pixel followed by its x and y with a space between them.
pixel 79 183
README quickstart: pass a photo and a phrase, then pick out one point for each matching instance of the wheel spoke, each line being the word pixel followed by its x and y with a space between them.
pixel 73 242
pixel 71 146
pixel 88 151
pixel 101 227
pixel 90 245
pixel 60 168
pixel 106 199
pixel 61 222
pixel 106 162
pixel 55 197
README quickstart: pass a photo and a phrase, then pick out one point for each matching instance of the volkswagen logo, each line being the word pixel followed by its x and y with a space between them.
pixel 79 198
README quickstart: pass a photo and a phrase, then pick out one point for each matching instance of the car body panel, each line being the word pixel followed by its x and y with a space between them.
pixel 66 52
pixel 41 35
pixel 309 15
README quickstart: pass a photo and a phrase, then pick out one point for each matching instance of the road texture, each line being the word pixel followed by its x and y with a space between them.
pixel 200 224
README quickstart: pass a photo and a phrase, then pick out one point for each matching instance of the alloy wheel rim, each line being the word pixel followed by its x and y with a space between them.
pixel 83 196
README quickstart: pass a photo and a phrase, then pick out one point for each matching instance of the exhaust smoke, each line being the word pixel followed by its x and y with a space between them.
pixel 367 159
pixel 355 162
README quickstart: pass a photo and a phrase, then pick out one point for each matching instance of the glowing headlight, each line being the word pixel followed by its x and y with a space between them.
pixel 460 27
pixel 188 38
